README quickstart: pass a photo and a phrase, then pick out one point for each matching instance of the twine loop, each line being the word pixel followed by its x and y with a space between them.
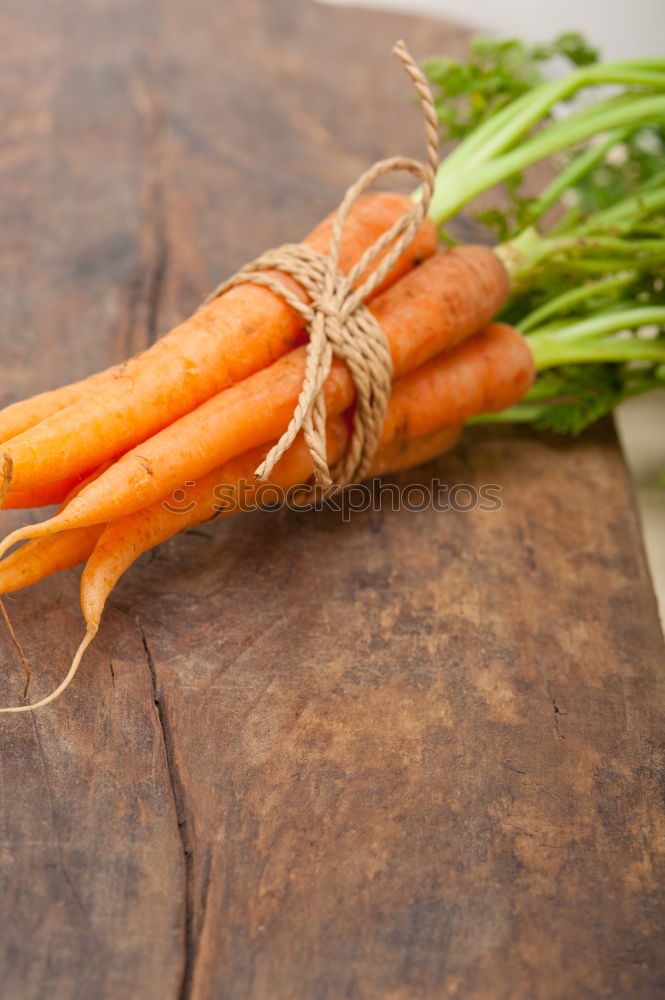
pixel 338 322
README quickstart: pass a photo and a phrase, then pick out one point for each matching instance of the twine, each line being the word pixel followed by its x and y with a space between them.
pixel 336 318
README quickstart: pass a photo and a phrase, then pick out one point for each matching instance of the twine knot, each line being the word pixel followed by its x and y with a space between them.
pixel 328 307
pixel 338 322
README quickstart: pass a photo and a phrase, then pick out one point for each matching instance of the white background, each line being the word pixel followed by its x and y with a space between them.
pixel 620 28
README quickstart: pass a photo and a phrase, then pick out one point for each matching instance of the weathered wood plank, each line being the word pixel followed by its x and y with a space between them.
pixel 415 755
pixel 437 761
pixel 92 880
pixel 359 824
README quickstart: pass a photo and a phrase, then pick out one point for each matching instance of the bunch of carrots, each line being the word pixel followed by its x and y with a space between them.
pixel 207 401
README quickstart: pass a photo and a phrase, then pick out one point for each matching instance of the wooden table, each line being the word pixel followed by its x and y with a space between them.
pixel 419 755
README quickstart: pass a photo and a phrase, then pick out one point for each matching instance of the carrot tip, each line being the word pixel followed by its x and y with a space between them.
pixel 90 633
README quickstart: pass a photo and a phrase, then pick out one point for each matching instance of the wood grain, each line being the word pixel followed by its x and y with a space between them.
pixel 400 754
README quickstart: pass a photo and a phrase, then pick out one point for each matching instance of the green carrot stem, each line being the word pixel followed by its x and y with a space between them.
pixel 554 353
pixel 655 181
pixel 560 303
pixel 508 125
pixel 601 324
pixel 628 210
pixel 580 166
pixel 452 192
pixel 581 243
pixel 579 250
pixel 581 266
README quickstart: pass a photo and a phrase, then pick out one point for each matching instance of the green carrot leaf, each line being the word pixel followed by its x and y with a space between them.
pixel 496 72
pixel 583 394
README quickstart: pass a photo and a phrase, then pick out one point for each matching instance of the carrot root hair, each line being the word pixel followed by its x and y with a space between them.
pixel 91 632
pixel 17 645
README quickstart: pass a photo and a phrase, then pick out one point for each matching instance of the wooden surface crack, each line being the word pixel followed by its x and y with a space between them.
pixel 58 841
pixel 556 712
pixel 189 945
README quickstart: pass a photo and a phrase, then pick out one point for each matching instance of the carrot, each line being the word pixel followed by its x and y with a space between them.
pixel 41 496
pixel 433 307
pixel 60 492
pixel 18 417
pixel 498 355
pixel 125 539
pixel 43 556
pixel 486 373
pixel 118 550
pixel 406 453
pixel 418 412
pixel 232 336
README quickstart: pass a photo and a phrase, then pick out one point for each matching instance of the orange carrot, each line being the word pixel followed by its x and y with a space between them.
pixel 18 417
pixel 41 496
pixel 217 493
pixel 124 540
pixel 419 315
pixel 420 409
pixel 486 373
pixel 40 557
pixel 145 528
pixel 234 335
pixel 43 556
pixel 406 453
pixel 122 548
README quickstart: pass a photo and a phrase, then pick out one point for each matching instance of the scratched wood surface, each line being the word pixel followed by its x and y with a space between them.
pixel 400 755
